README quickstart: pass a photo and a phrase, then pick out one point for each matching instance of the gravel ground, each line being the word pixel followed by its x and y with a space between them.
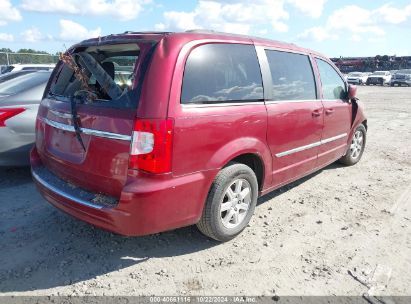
pixel 340 231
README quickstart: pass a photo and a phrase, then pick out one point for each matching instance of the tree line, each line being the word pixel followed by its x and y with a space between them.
pixel 7 56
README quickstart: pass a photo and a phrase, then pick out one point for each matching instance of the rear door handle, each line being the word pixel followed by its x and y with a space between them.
pixel 329 111
pixel 316 113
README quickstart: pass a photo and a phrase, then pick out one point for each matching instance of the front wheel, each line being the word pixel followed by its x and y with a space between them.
pixel 230 203
pixel 356 149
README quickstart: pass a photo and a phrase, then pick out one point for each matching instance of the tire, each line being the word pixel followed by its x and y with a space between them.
pixel 355 149
pixel 218 224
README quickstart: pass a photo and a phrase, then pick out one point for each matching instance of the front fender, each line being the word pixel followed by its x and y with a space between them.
pixel 358 116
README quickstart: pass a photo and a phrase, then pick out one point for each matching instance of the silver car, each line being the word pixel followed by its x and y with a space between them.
pixel 19 102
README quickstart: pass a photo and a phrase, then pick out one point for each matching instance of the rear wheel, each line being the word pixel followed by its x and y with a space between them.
pixel 356 148
pixel 230 203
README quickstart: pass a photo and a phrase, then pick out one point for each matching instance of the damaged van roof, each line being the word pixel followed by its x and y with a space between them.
pixel 190 35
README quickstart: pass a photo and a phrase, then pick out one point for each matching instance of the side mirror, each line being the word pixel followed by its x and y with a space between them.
pixel 352 91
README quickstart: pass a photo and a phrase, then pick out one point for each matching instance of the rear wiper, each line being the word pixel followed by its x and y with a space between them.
pixel 75 119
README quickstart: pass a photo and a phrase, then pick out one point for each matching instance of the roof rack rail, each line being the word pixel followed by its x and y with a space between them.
pixel 203 31
pixel 146 32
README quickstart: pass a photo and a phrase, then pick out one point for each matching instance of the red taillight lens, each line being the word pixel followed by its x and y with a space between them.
pixel 151 145
pixel 8 113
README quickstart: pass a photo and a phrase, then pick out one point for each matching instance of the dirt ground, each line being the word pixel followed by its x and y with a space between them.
pixel 341 231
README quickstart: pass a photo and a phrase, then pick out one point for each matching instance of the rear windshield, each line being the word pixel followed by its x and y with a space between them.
pixel 23 83
pixel 9 76
pixel 98 75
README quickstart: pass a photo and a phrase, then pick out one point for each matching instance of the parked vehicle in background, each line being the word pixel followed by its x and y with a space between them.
pixel 22 67
pixel 401 77
pixel 379 77
pixel 19 102
pixel 3 69
pixel 357 78
pixel 210 122
pixel 12 75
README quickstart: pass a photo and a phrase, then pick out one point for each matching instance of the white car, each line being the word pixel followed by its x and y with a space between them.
pixel 357 78
pixel 34 66
pixel 379 77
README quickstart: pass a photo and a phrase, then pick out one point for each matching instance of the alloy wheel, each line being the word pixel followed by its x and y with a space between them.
pixel 357 144
pixel 235 204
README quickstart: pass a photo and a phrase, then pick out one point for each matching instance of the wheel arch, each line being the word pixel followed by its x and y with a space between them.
pixel 249 151
pixel 365 123
pixel 253 161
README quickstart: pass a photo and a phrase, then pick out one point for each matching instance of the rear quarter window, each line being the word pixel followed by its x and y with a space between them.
pixel 219 73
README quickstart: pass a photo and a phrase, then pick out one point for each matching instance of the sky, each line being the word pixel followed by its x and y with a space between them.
pixel 333 27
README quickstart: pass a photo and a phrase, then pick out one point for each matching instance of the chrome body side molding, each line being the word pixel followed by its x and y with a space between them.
pixel 312 145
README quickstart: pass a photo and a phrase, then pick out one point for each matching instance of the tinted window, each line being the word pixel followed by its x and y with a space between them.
pixel 332 85
pixel 220 73
pixel 292 76
pixel 23 83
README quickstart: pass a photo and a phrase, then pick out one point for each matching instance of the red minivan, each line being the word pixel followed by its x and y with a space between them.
pixel 144 132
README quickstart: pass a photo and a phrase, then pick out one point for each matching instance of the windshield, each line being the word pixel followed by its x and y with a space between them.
pixel 379 73
pixel 98 75
pixel 355 74
pixel 23 83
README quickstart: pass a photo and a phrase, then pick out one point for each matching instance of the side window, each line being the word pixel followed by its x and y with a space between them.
pixel 332 85
pixel 217 73
pixel 292 76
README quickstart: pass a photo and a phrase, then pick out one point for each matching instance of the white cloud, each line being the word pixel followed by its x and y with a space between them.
pixel 393 15
pixel 4 37
pixel 228 16
pixel 32 34
pixel 8 12
pixel 317 34
pixel 312 8
pixel 357 22
pixel 120 9
pixel 354 19
pixel 72 31
pixel 239 16
pixel 355 38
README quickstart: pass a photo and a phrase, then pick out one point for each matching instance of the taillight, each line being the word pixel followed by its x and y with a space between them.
pixel 151 145
pixel 8 113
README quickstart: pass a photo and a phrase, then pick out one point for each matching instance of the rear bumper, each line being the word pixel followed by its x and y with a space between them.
pixel 14 148
pixel 16 157
pixel 401 82
pixel 148 204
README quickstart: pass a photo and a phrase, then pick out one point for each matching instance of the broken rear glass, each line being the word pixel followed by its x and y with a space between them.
pixel 98 75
